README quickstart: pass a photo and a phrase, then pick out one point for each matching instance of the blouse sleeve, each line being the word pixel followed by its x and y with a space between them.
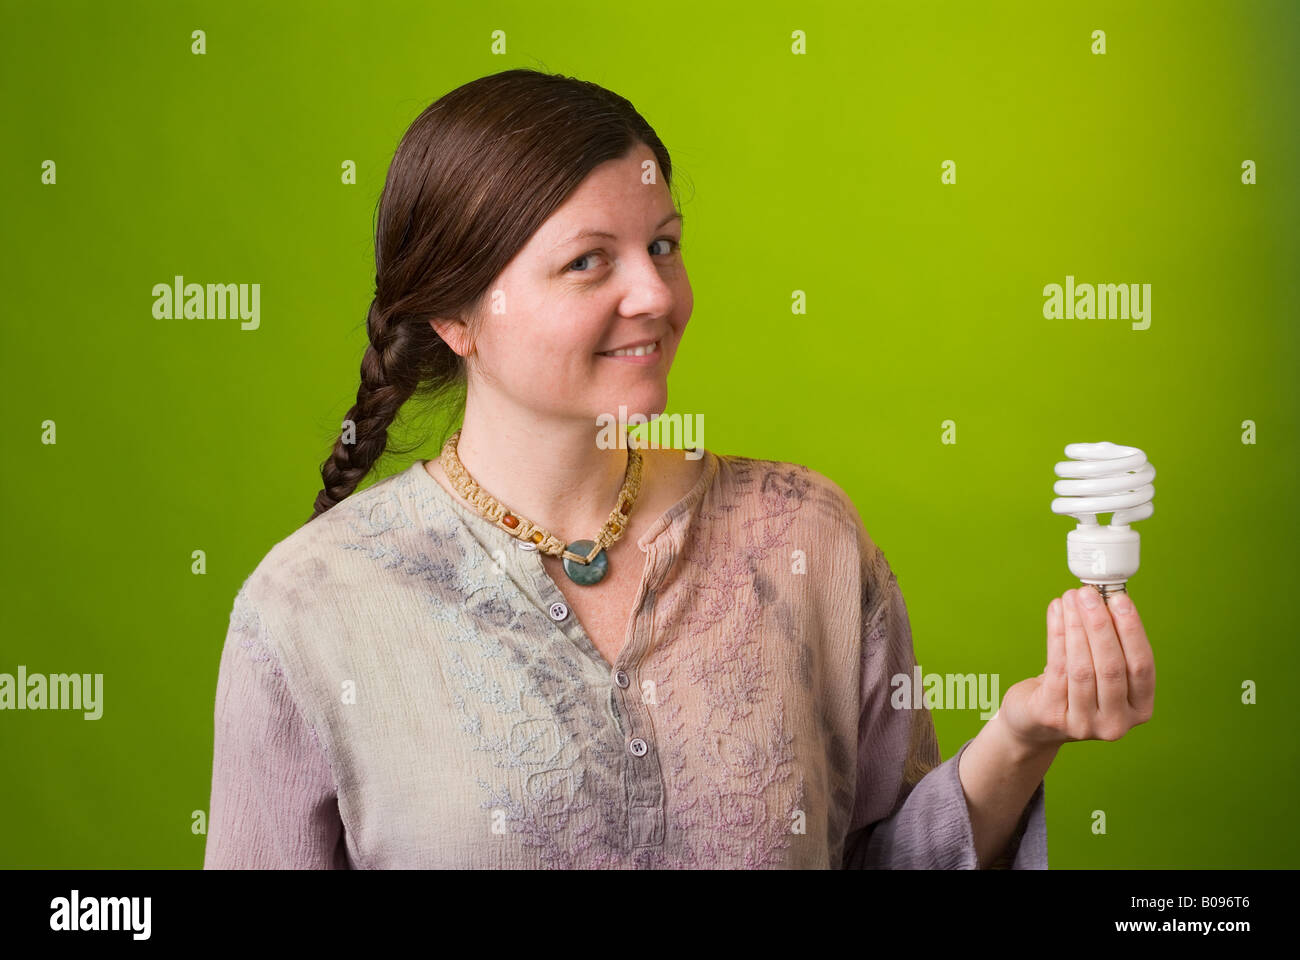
pixel 911 811
pixel 274 801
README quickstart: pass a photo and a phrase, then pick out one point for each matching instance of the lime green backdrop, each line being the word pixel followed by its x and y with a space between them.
pixel 819 172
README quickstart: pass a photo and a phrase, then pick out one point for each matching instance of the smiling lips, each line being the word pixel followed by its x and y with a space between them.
pixel 644 354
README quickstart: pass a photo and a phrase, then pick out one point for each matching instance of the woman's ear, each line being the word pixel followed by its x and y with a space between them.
pixel 454 333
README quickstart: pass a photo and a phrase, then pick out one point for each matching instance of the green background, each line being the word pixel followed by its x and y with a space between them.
pixel 818 173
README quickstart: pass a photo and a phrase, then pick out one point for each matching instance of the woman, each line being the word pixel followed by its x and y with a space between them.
pixel 543 649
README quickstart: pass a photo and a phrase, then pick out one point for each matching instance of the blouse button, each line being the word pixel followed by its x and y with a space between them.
pixel 559 611
pixel 620 678
pixel 637 747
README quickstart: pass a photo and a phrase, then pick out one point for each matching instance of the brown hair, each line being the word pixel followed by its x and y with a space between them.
pixel 475 175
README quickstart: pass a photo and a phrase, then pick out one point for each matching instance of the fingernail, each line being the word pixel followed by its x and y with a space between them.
pixel 1090 598
pixel 1121 603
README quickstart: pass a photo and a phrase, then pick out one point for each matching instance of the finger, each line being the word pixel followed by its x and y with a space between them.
pixel 1054 673
pixel 1107 659
pixel 1137 653
pixel 1081 683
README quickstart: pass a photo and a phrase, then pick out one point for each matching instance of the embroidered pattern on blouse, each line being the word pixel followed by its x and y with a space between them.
pixel 514 697
pixel 246 624
pixel 732 781
pixel 734 764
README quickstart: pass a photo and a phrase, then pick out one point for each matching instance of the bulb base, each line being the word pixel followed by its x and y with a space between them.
pixel 1108 590
pixel 1103 556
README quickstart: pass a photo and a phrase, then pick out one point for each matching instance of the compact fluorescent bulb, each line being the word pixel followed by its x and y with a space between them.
pixel 1104 478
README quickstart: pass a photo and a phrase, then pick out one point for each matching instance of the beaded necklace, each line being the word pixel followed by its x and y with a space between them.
pixel 585 561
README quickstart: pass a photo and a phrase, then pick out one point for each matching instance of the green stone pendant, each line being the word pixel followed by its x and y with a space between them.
pixel 585 573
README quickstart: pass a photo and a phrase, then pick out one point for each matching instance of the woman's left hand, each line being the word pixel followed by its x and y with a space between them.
pixel 1100 678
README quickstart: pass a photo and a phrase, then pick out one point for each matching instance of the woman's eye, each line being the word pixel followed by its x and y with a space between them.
pixel 676 246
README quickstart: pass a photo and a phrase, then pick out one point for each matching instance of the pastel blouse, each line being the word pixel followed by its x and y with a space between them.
pixel 403 686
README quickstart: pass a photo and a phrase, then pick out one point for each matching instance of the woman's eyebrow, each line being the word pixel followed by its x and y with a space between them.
pixel 609 236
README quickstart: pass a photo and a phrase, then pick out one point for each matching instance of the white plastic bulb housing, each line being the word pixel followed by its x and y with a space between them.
pixel 1104 478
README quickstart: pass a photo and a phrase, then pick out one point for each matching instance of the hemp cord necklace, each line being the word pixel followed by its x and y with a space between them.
pixel 585 561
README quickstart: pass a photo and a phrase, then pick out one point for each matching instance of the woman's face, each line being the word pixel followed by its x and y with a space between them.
pixel 565 299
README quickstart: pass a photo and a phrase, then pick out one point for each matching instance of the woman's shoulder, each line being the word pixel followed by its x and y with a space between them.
pixel 765 485
pixel 783 501
pixel 391 525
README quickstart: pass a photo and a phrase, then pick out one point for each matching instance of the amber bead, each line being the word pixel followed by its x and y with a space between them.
pixel 537 536
pixel 510 521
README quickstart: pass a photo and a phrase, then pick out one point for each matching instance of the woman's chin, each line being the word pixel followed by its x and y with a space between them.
pixel 623 405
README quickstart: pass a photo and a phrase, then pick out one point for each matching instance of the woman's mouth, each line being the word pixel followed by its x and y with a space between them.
pixel 644 355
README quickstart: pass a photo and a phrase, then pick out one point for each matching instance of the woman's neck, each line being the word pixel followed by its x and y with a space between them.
pixel 555 475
